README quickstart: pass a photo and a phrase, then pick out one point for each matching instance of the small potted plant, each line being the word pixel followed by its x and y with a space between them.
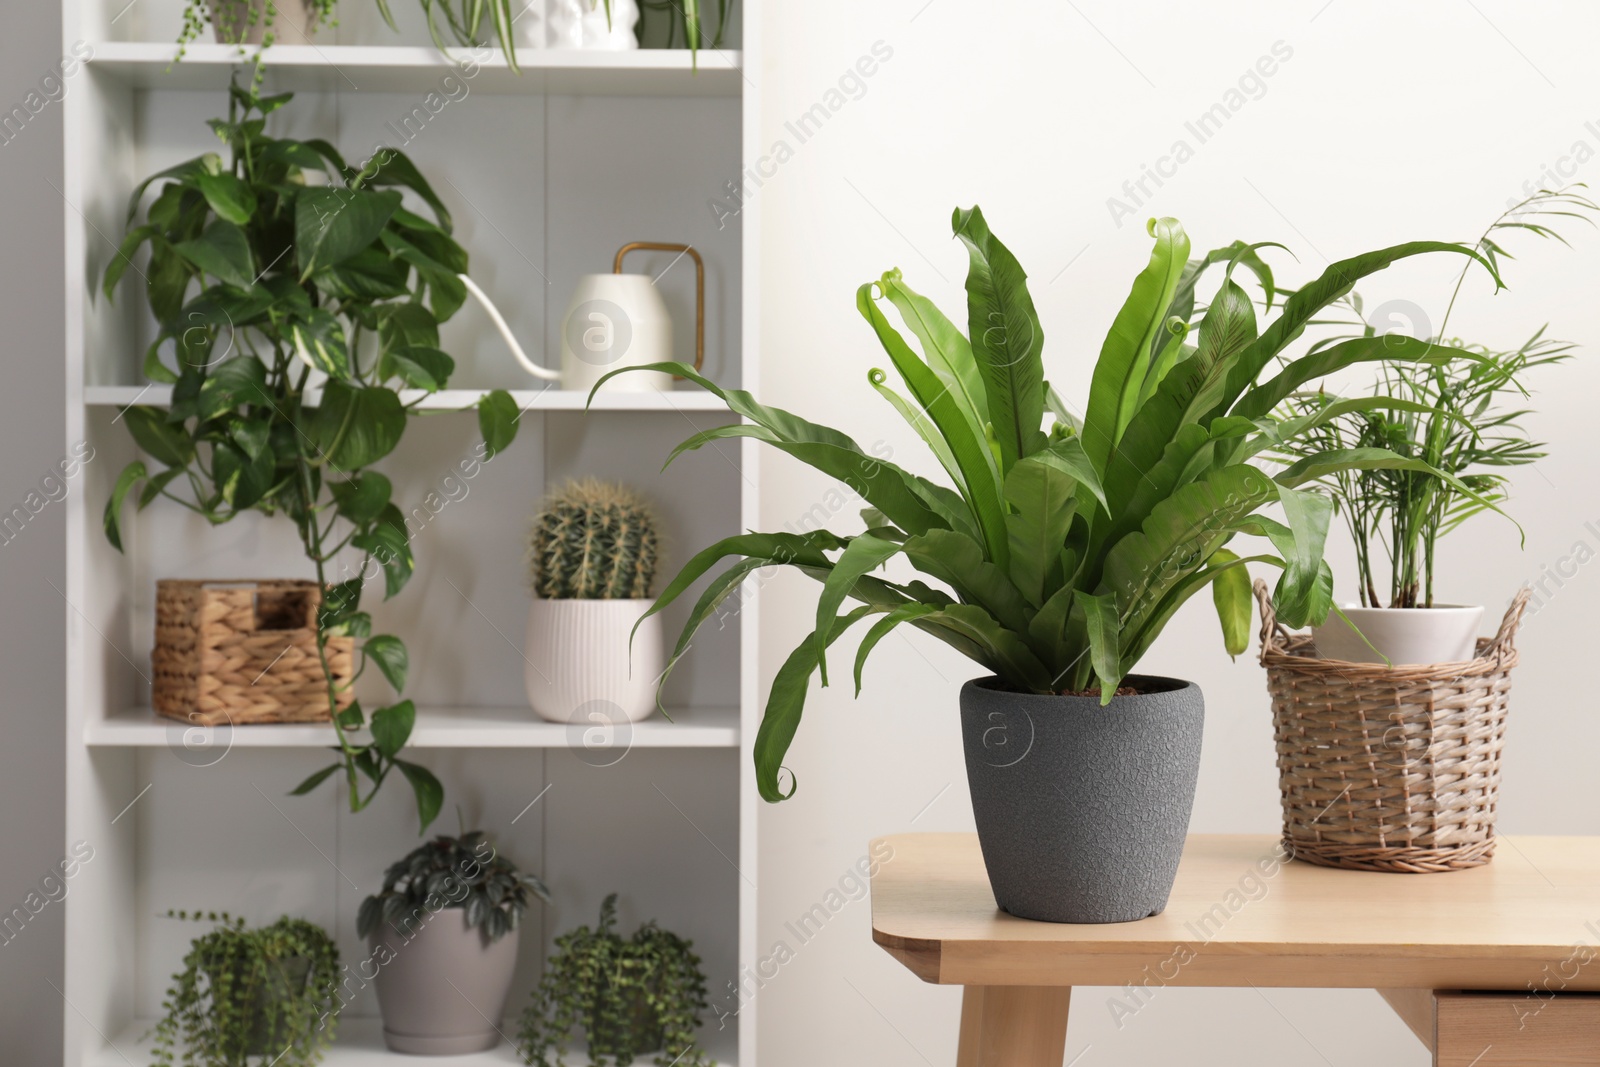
pixel 442 938
pixel 1458 423
pixel 631 997
pixel 256 21
pixel 594 550
pixel 242 993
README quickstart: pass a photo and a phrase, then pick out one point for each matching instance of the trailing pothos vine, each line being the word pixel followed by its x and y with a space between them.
pixel 296 297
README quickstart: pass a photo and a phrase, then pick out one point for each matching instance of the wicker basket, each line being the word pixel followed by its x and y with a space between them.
pixel 243 652
pixel 1388 768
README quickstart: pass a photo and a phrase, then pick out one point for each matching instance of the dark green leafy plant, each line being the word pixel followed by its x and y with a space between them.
pixel 630 997
pixel 594 540
pixel 265 284
pixel 452 872
pixel 266 994
pixel 1062 554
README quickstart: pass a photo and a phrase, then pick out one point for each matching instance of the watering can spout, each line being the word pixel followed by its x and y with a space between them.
pixel 505 331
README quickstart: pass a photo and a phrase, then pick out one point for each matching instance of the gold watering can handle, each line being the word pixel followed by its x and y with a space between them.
pixel 699 287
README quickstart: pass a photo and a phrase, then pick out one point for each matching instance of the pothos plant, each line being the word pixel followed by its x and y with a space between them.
pixel 268 994
pixel 296 296
pixel 1061 553
pixel 640 995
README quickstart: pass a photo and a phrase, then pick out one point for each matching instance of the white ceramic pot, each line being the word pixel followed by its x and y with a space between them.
pixel 1446 633
pixel 614 321
pixel 584 24
pixel 577 655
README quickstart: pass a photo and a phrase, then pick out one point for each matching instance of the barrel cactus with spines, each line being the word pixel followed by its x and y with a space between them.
pixel 594 540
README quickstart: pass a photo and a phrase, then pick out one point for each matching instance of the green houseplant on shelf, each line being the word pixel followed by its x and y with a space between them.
pixel 261 22
pixel 296 296
pixel 594 550
pixel 442 933
pixel 1060 554
pixel 631 997
pixel 264 994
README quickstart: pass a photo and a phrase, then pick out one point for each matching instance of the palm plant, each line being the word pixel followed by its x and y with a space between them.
pixel 1462 429
pixel 1459 428
pixel 1062 554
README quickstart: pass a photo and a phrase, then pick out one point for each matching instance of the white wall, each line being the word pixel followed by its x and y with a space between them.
pixel 1388 122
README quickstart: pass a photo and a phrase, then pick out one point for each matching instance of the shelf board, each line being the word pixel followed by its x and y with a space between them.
pixel 360 1044
pixel 397 68
pixel 517 727
pixel 461 399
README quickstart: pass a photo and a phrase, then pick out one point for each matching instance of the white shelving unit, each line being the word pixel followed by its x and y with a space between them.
pixel 546 174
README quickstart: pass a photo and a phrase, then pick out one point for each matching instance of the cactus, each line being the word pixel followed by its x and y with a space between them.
pixel 594 540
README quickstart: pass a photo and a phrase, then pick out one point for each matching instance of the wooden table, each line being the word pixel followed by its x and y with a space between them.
pixel 1488 967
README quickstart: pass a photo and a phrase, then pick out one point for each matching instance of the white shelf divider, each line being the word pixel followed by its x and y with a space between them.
pixel 399 68
pixel 517 727
pixel 462 399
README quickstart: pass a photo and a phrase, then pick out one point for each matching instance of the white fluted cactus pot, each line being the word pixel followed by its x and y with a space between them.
pixel 579 664
pixel 591 654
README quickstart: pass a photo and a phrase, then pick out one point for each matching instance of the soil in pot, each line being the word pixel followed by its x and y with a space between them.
pixel 1082 810
pixel 442 991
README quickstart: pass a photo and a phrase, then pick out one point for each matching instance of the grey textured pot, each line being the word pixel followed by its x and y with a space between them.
pixel 444 991
pixel 1082 810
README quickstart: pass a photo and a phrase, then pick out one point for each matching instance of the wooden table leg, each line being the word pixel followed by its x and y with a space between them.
pixel 1013 1026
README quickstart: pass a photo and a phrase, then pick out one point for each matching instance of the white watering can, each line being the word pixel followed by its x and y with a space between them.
pixel 615 320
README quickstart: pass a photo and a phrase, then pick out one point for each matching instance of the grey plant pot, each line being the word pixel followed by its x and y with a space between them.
pixel 444 991
pixel 1082 810
pixel 286 980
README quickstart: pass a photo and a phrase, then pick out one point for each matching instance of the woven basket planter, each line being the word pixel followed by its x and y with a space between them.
pixel 243 652
pixel 1388 768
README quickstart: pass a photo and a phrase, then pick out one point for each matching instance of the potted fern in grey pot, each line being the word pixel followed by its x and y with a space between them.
pixel 1059 552
pixel 594 648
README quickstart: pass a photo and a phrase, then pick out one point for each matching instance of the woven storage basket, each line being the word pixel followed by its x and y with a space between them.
pixel 243 652
pixel 1388 768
